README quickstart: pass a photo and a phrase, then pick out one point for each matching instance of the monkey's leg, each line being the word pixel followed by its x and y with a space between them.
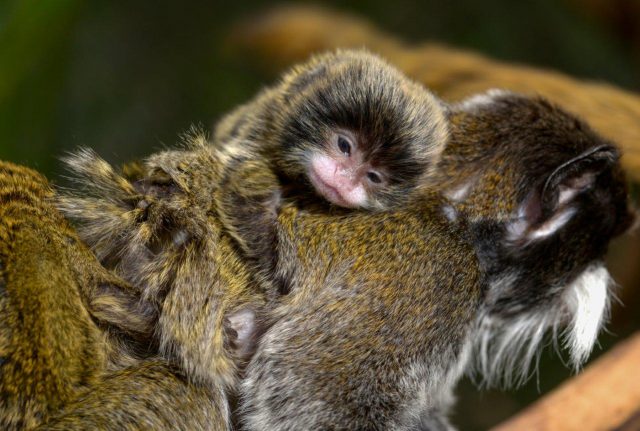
pixel 50 350
pixel 152 396
pixel 211 314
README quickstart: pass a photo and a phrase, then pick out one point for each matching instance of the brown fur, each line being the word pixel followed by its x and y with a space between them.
pixel 355 340
pixel 150 396
pixel 159 228
pixel 384 307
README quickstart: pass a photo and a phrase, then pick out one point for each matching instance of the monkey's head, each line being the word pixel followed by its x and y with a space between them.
pixel 545 195
pixel 356 129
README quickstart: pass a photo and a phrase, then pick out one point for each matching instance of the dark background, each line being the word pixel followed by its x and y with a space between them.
pixel 126 78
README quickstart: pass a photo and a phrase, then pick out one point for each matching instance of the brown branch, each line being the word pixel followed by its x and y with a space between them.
pixel 291 34
pixel 606 396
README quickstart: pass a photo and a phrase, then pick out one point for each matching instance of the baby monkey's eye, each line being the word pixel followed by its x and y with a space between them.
pixel 374 177
pixel 344 145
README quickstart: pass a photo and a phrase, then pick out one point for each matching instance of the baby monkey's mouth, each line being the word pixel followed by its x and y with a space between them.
pixel 327 191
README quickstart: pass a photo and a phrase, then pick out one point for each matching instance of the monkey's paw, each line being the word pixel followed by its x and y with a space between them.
pixel 240 331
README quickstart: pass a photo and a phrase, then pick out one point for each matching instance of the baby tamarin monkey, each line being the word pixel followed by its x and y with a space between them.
pixel 345 124
pixel 353 127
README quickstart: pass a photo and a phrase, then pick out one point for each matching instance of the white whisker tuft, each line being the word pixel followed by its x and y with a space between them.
pixel 507 349
pixel 588 301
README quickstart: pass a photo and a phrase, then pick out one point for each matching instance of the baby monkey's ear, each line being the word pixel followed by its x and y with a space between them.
pixel 586 183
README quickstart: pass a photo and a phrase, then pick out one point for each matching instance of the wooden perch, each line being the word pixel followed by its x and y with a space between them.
pixel 291 34
pixel 606 396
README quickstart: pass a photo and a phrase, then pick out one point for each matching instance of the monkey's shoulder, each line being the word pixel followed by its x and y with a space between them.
pixel 420 231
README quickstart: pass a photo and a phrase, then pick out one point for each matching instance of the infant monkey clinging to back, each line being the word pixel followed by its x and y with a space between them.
pixel 361 133
pixel 346 125
pixel 358 130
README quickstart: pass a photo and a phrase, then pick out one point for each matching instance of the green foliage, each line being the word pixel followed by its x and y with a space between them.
pixel 34 42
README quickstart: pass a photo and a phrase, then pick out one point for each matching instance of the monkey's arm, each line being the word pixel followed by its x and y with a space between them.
pixel 453 74
pixel 247 203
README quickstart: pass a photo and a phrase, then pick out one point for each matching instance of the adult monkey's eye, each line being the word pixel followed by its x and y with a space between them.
pixel 374 177
pixel 344 145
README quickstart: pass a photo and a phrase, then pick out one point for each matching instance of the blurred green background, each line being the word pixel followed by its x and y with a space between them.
pixel 127 77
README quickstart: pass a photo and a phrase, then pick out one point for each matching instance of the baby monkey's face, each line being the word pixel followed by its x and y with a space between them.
pixel 341 172
pixel 361 133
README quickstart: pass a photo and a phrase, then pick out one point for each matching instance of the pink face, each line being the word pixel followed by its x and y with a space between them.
pixel 341 174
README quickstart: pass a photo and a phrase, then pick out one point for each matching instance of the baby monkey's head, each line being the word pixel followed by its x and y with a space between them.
pixel 358 130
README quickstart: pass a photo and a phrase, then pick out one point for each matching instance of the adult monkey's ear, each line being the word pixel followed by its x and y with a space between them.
pixel 576 176
pixel 587 182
